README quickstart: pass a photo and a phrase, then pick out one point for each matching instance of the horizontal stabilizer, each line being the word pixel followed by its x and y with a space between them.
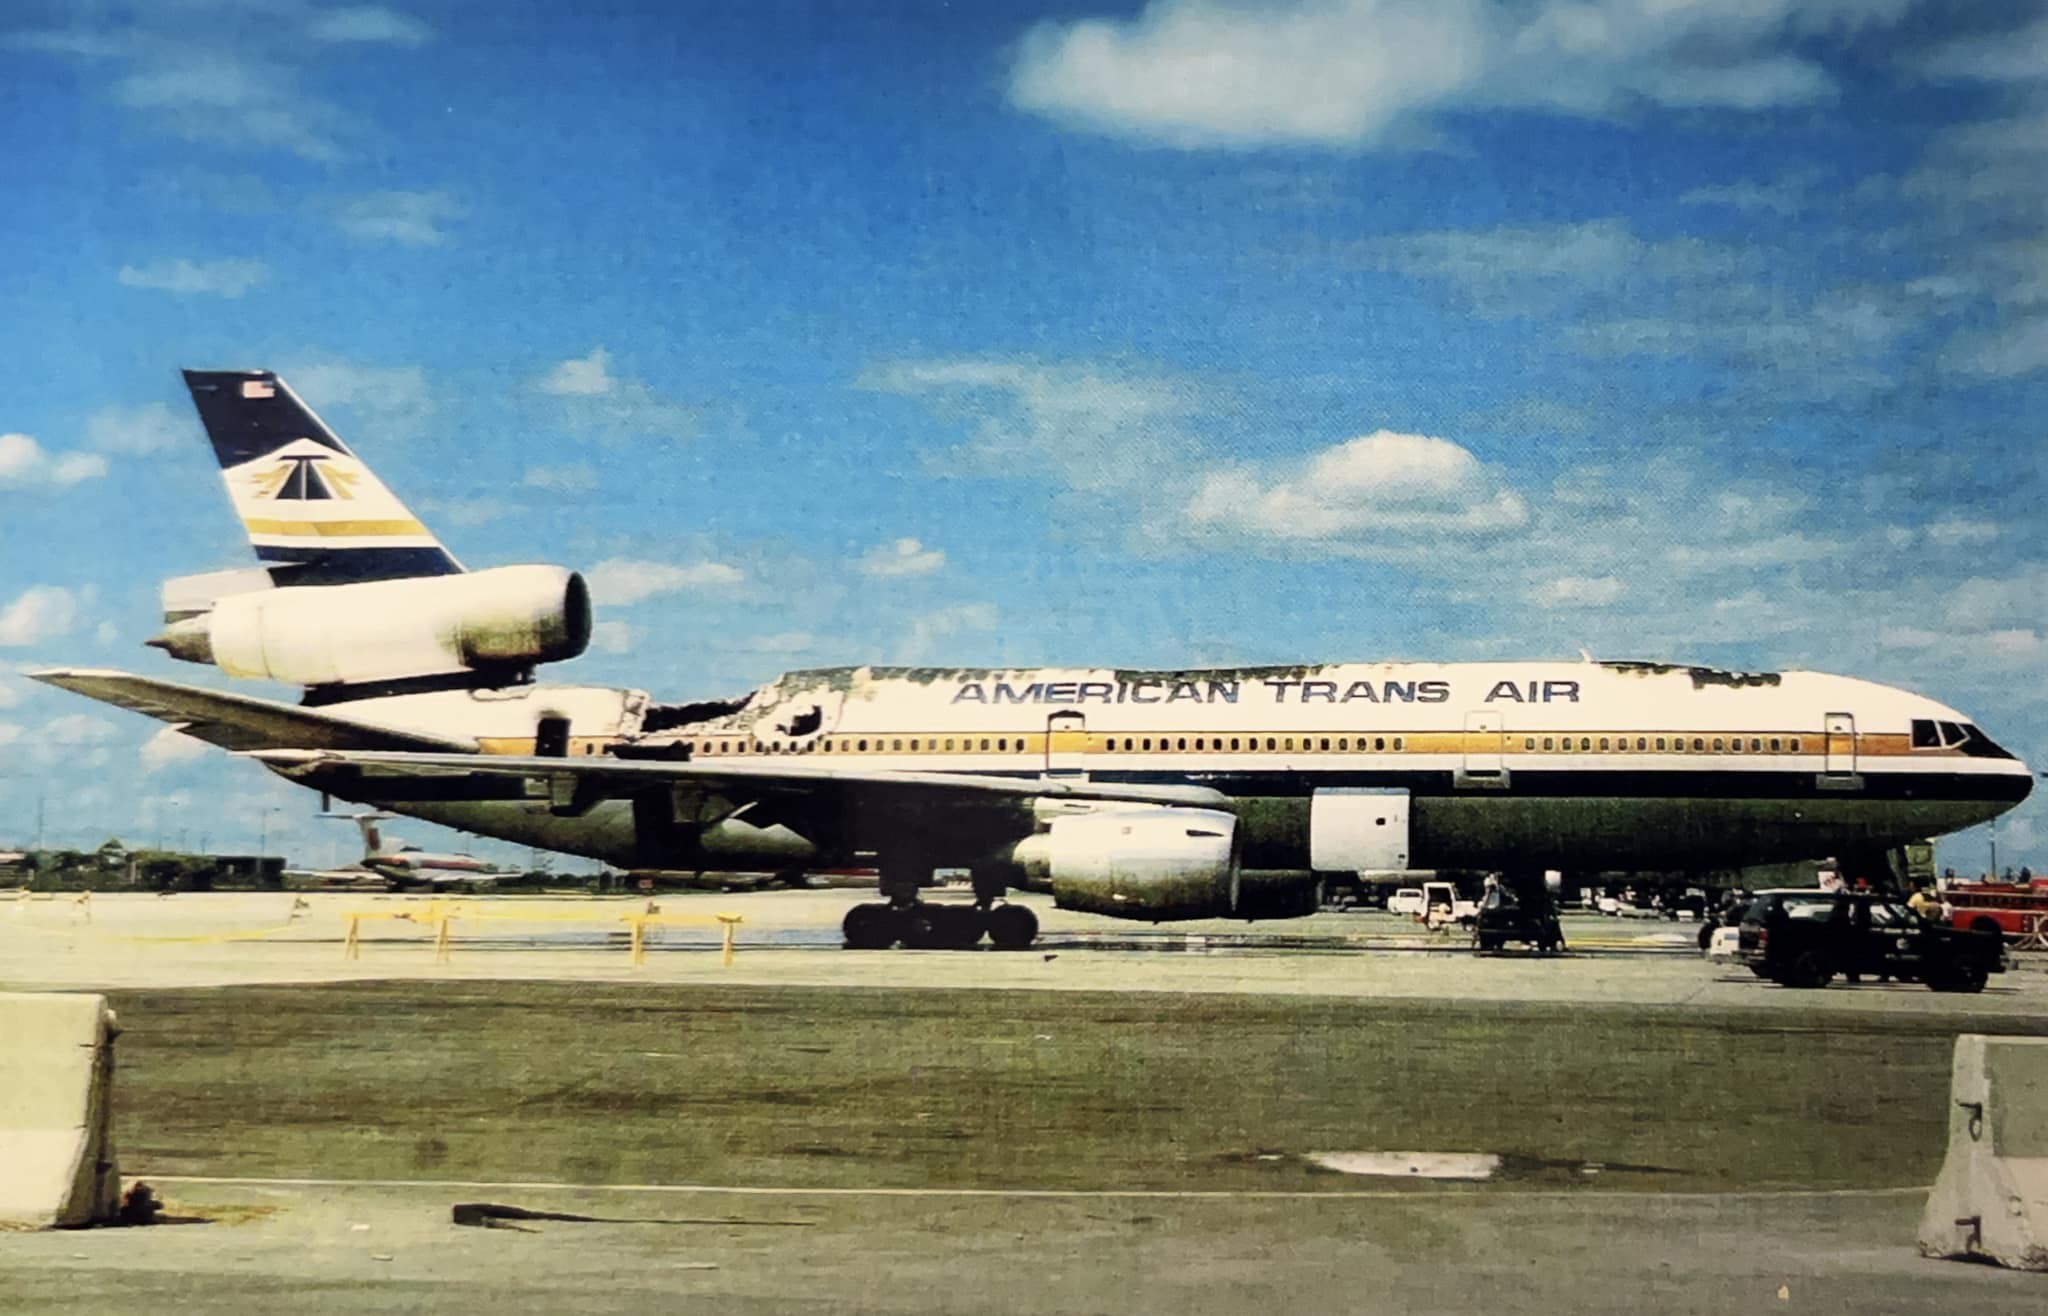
pixel 238 722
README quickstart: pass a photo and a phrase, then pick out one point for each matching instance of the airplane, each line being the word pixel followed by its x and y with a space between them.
pixel 1150 795
pixel 404 866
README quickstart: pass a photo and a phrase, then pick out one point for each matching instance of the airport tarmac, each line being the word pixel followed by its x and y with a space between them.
pixel 791 938
pixel 305 1217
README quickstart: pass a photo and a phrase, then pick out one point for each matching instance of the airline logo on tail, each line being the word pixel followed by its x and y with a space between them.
pixel 307 502
pixel 307 493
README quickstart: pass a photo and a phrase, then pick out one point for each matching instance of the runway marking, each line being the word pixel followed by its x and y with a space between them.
pixel 1077 1194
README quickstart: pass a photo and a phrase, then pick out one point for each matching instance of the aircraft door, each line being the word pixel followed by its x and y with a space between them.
pixel 1066 745
pixel 1485 743
pixel 1841 745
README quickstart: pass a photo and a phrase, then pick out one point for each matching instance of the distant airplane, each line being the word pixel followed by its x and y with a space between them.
pixel 1140 794
pixel 407 866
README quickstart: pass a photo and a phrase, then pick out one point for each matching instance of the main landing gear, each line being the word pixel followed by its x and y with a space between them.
pixel 925 925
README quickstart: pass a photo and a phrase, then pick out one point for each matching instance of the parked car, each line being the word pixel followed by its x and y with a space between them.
pixel 1804 937
pixel 1500 922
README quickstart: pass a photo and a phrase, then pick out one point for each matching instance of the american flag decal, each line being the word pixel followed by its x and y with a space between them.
pixel 258 388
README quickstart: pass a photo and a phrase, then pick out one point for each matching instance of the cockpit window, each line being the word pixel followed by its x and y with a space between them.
pixel 1980 746
pixel 1952 733
pixel 1924 734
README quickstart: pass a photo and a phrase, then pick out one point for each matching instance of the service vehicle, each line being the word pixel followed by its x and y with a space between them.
pixel 1805 937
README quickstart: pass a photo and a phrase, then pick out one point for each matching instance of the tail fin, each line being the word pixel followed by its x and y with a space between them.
pixel 366 823
pixel 314 512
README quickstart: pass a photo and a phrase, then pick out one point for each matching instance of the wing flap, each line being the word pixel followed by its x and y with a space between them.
pixel 237 722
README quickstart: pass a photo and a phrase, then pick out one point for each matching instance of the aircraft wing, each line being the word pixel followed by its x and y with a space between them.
pixel 610 777
pixel 235 722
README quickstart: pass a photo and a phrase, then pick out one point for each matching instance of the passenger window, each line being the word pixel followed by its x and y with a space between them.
pixel 1585 743
pixel 949 742
pixel 1603 743
pixel 1642 743
pixel 1233 742
pixel 1287 744
pixel 1379 742
pixel 1549 742
pixel 1776 744
pixel 1660 742
pixel 1184 743
pixel 1698 744
pixel 1198 743
pixel 1529 743
pixel 984 744
pixel 1325 743
pixel 1795 744
pixel 898 745
pixel 1717 744
pixel 1269 742
pixel 1397 742
pixel 1344 743
pixel 1756 746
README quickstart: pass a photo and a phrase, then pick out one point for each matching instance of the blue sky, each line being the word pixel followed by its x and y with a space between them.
pixel 1148 333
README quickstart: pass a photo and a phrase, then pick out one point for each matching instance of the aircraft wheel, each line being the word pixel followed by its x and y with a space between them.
pixel 869 927
pixel 1012 927
pixel 957 927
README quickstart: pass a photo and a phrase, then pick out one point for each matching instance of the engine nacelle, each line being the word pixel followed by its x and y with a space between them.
pixel 1154 864
pixel 505 618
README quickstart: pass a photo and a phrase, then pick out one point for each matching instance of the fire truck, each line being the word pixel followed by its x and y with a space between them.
pixel 2019 910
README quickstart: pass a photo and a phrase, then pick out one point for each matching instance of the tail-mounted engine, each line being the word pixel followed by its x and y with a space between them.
pixel 498 622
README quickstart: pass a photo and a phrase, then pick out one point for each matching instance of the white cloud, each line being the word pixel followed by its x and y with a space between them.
pixel 394 401
pixel 170 746
pixel 587 376
pixel 369 25
pixel 2017 56
pixel 470 511
pixel 24 463
pixel 413 219
pixel 1094 427
pixel 929 630
pixel 152 427
pixel 75 729
pixel 575 478
pixel 1781 196
pixel 215 278
pixel 41 612
pixel 1956 532
pixel 901 557
pixel 1356 73
pixel 628 580
pixel 1910 637
pixel 782 642
pixel 1378 486
pixel 613 637
pixel 586 396
pixel 1579 592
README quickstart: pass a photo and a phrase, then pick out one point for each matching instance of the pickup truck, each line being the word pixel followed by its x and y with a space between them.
pixel 1804 937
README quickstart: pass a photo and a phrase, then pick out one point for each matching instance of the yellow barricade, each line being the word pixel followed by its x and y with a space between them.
pixel 443 916
pixel 641 922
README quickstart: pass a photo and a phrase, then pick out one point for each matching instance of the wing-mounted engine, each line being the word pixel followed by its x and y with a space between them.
pixel 498 623
pixel 1155 864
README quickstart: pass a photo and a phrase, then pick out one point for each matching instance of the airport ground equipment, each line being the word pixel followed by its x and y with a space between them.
pixel 57 1165
pixel 1990 1202
pixel 1805 937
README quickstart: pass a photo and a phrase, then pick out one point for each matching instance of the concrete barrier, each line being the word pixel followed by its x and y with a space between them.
pixel 56 1107
pixel 1991 1201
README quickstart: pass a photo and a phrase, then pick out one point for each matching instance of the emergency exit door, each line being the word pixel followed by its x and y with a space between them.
pixel 1485 741
pixel 1066 745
